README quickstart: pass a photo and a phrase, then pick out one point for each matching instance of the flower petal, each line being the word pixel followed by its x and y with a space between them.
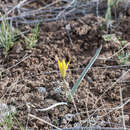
pixel 63 68
pixel 67 65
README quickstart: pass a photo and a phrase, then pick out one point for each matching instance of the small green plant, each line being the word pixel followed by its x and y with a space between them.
pixel 9 122
pixel 123 56
pixel 7 35
pixel 108 17
pixel 87 126
pixel 111 37
pixel 33 38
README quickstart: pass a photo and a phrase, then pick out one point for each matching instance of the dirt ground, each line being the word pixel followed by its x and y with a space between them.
pixel 25 72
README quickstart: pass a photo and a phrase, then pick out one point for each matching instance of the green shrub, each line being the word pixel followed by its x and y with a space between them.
pixel 7 35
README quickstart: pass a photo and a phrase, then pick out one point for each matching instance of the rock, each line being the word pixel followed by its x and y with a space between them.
pixel 43 90
pixel 125 76
pixel 77 124
pixel 69 117
pixel 64 121
pixel 89 79
pixel 57 90
pixel 17 48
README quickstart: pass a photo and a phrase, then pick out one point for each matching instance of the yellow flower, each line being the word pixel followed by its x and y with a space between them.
pixel 63 67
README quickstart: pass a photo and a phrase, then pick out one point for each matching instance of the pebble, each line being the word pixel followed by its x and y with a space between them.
pixel 89 79
pixel 64 121
pixel 77 124
pixel 43 90
pixel 57 90
pixel 69 117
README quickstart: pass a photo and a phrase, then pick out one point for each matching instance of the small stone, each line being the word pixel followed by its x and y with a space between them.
pixel 43 90
pixel 17 48
pixel 77 124
pixel 57 90
pixel 68 28
pixel 126 118
pixel 69 117
pixel 125 76
pixel 89 79
pixel 64 121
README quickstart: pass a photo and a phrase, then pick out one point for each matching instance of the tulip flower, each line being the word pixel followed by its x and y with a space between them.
pixel 63 67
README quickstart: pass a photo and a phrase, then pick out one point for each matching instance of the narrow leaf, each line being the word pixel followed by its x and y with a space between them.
pixel 85 71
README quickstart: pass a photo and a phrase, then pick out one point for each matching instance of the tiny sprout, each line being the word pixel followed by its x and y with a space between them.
pixel 63 67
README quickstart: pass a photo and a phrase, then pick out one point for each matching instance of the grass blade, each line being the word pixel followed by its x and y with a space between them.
pixel 85 71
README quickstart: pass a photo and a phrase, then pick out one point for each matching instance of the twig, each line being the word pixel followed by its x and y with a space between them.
pixel 24 58
pixel 52 106
pixel 111 86
pixel 33 116
pixel 116 52
pixel 122 109
pixel 17 6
